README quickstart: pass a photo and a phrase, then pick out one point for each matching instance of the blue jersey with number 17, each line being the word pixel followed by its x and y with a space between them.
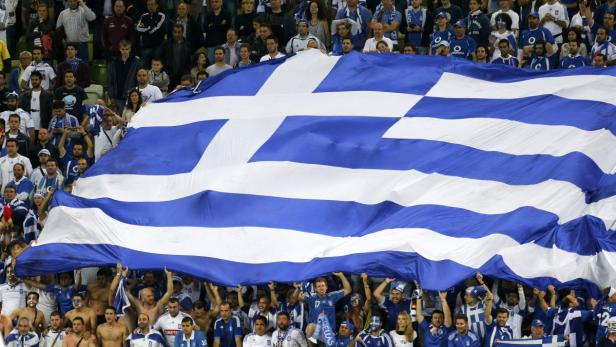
pixel 605 311
pixel 326 304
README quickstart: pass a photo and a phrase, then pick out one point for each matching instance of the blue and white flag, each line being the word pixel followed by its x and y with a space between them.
pixel 548 341
pixel 407 167
pixel 120 301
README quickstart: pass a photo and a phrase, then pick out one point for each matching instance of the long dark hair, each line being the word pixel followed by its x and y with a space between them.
pixel 130 104
pixel 321 15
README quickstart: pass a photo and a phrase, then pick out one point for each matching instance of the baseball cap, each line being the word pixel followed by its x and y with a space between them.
pixel 478 291
pixel 398 285
pixel 12 94
pixel 348 324
pixel 177 278
pixel 459 24
pixel 537 323
pixel 443 15
pixel 44 151
pixel 443 43
pixel 534 14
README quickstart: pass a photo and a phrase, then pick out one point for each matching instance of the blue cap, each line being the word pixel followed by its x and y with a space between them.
pixel 443 15
pixel 12 94
pixel 348 324
pixel 460 24
pixel 537 323
pixel 398 285
pixel 534 14
pixel 478 291
pixel 302 20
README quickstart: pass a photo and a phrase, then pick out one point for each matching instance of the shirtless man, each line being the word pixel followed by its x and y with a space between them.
pixel 77 337
pixel 97 294
pixel 111 333
pixel 85 313
pixel 147 304
pixel 36 317
pixel 202 317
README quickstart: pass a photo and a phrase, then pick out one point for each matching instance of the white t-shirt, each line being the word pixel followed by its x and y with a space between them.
pixel 47 303
pixel 6 168
pixel 515 18
pixel 170 326
pixel 46 71
pixel 559 11
pixel 268 57
pixel 12 297
pixel 370 45
pixel 103 142
pixel 292 338
pixel 400 339
pixel 25 120
pixel 254 340
pixel 150 93
pixel 35 104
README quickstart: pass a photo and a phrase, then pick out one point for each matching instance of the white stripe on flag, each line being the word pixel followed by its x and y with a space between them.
pixel 355 104
pixel 527 260
pixel 309 181
pixel 579 87
pixel 507 136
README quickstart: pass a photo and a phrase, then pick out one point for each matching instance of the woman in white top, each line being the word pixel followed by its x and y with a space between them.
pixel 404 335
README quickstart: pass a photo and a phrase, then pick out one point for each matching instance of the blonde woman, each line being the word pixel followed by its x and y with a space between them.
pixel 404 334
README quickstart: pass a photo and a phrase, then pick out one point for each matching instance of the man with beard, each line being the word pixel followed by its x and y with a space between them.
pixel 143 336
pixel 286 336
pixel 77 337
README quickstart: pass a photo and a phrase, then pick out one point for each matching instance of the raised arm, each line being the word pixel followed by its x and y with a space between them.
pixel 345 283
pixel 367 292
pixel 378 292
pixel 240 297
pixel 446 310
pixel 522 298
pixel 553 296
pixel 78 279
pixel 114 284
pixel 163 301
pixel 61 149
pixel 489 303
pixel 542 303
pixel 88 141
pixel 273 296
pixel 418 306
pixel 35 284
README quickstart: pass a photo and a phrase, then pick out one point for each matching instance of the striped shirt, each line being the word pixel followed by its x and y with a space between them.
pixel 75 23
pixel 476 315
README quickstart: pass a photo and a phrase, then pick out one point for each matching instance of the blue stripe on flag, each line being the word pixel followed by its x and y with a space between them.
pixel 356 142
pixel 155 150
pixel 43 259
pixel 235 82
pixel 348 74
pixel 543 109
pixel 339 218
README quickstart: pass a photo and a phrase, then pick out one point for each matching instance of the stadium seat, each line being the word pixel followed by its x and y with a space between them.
pixel 98 72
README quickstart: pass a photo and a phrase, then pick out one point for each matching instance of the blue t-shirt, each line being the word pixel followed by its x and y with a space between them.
pixel 462 48
pixel 540 63
pixel 433 337
pixel 438 36
pixel 64 297
pixel 393 310
pixel 343 342
pixel 388 17
pixel 530 36
pixel 326 304
pixel 382 340
pixel 495 332
pixel 469 340
pixel 604 311
pixel 570 62
pixel 415 19
pixel 226 332
pixel 69 167
pixel 511 60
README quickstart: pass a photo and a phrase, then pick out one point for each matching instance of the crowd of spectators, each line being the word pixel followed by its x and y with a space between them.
pixel 164 309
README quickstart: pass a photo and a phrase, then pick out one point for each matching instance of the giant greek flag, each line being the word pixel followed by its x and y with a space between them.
pixel 411 167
